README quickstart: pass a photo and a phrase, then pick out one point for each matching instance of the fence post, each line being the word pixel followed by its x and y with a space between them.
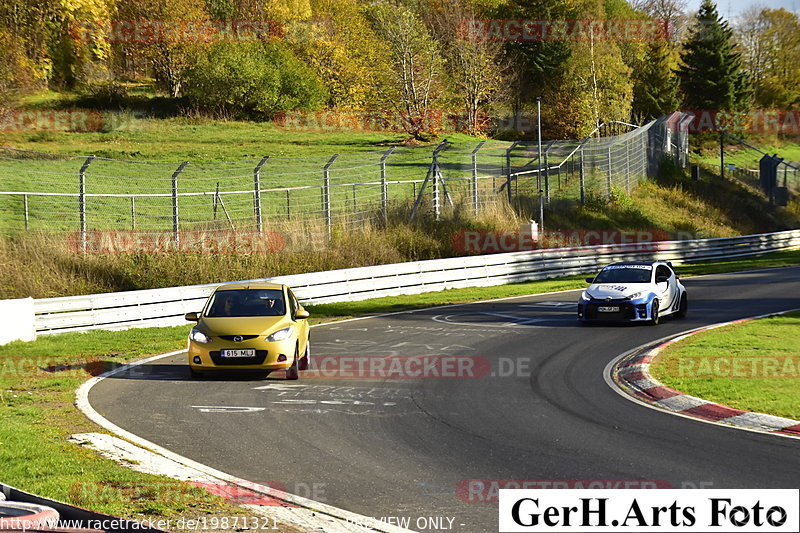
pixel 546 178
pixel 355 202
pixel 722 154
pixel 583 179
pixel 437 210
pixel 175 220
pixel 508 170
pixel 475 177
pixel 385 187
pixel 25 208
pixel 288 204
pixel 133 213
pixel 326 194
pixel 609 171
pixel 257 193
pixel 215 201
pixel 628 166
pixel 82 199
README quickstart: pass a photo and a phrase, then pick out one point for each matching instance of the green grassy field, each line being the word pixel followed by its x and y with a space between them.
pixel 752 366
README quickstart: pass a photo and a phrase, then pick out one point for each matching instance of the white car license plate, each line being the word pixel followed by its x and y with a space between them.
pixel 608 309
pixel 238 353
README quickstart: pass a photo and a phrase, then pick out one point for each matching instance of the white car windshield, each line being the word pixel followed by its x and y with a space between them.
pixel 625 274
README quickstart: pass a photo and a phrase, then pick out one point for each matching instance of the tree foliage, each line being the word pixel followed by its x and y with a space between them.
pixel 771 40
pixel 657 89
pixel 252 78
pixel 711 74
pixel 412 81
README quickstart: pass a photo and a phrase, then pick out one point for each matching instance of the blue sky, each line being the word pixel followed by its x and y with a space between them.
pixel 731 8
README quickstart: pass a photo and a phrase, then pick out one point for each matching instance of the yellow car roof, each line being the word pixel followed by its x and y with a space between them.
pixel 249 285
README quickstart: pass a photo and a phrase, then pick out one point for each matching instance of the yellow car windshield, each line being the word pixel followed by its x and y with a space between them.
pixel 246 302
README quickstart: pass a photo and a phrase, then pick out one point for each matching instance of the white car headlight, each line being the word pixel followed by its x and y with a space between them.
pixel 585 296
pixel 198 336
pixel 640 294
pixel 280 335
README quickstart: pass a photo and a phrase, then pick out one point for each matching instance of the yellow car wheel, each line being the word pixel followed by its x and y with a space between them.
pixel 305 361
pixel 293 372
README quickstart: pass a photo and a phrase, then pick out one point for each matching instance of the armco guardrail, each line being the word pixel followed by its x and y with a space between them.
pixel 166 307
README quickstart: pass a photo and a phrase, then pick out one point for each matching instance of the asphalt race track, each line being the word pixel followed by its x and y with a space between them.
pixel 407 447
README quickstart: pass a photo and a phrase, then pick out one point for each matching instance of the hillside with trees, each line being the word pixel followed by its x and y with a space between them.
pixel 415 59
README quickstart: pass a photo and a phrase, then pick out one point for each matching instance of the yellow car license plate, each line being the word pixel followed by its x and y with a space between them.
pixel 238 353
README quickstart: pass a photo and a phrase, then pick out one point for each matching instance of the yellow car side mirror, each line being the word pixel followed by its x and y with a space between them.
pixel 192 317
pixel 301 314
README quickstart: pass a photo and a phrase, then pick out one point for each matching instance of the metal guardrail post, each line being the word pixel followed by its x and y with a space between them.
pixel 326 194
pixel 609 171
pixel 475 177
pixel 82 199
pixel 257 193
pixel 385 187
pixel 25 209
pixel 722 154
pixel 133 213
pixel 175 221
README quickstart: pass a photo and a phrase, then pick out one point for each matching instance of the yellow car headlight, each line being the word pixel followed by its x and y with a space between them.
pixel 198 336
pixel 280 335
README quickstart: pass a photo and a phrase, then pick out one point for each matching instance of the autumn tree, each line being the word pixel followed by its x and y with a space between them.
pixel 171 44
pixel 344 50
pixel 411 83
pixel 475 65
pixel 771 39
pixel 594 84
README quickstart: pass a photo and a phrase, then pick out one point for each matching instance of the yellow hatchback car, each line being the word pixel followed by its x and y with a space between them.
pixel 250 326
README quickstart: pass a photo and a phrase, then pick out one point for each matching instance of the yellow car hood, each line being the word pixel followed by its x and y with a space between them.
pixel 250 325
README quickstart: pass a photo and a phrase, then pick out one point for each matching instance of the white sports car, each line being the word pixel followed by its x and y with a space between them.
pixel 633 292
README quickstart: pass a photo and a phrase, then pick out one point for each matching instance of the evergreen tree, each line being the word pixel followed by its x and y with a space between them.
pixel 656 90
pixel 711 75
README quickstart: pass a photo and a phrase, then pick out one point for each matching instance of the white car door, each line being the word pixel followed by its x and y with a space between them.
pixel 666 289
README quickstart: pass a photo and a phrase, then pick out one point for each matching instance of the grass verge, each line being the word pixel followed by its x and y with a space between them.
pixel 37 390
pixel 38 380
pixel 752 366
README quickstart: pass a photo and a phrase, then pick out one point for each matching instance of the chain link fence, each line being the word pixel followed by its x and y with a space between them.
pixel 83 194
pixel 776 178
